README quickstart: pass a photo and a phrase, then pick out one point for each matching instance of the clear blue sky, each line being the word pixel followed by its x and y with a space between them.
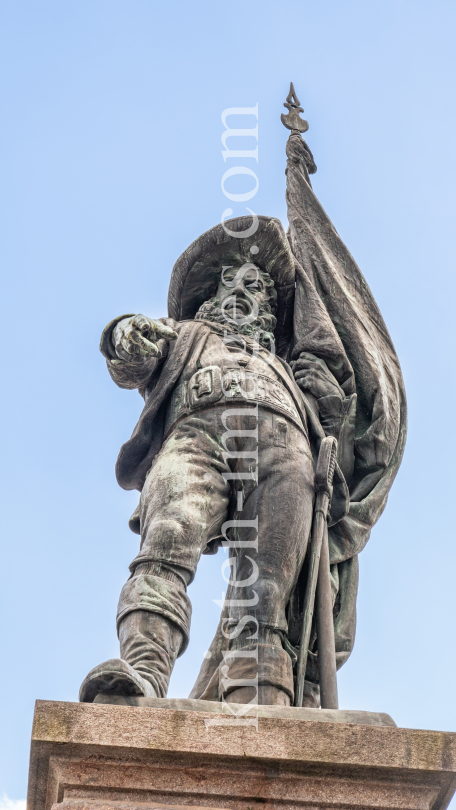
pixel 111 165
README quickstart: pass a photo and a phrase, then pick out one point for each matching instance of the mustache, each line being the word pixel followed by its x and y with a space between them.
pixel 238 302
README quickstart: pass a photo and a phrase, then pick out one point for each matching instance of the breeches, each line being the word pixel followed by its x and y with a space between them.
pixel 245 472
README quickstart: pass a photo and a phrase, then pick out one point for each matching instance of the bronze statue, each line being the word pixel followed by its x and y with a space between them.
pixel 273 342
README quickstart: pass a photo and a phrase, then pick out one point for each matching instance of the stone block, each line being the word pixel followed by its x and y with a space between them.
pixel 105 756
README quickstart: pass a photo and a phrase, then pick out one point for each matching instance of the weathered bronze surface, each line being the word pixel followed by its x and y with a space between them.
pixel 272 343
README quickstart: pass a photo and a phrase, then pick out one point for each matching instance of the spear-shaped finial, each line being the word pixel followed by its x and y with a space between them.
pixel 292 120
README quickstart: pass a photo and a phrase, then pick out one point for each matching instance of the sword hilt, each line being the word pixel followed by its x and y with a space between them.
pixel 326 465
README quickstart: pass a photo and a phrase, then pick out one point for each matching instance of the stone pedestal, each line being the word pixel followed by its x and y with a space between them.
pixel 164 753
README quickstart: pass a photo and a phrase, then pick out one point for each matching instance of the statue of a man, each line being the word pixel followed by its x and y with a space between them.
pixel 272 342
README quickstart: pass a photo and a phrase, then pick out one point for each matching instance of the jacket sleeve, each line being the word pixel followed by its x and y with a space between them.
pixel 132 375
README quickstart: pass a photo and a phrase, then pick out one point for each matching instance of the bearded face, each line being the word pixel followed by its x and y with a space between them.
pixel 244 302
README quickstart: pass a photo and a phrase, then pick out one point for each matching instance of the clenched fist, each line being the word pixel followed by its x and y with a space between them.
pixel 314 377
pixel 134 339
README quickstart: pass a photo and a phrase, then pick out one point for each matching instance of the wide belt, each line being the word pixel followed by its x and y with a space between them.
pixel 213 385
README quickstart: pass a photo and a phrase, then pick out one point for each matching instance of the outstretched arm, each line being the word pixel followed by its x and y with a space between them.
pixel 135 347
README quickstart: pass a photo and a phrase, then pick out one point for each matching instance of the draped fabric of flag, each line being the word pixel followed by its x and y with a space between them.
pixel 337 319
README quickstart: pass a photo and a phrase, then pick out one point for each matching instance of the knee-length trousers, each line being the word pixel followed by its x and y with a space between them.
pixel 240 473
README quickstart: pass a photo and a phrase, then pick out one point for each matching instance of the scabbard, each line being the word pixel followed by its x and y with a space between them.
pixel 316 539
pixel 318 588
pixel 325 630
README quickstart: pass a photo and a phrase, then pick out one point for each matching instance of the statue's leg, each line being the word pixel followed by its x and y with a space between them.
pixel 282 501
pixel 183 504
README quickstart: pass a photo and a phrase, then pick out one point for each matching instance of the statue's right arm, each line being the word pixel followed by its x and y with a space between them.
pixel 135 348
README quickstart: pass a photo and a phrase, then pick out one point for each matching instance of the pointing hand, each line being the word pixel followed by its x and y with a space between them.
pixel 135 339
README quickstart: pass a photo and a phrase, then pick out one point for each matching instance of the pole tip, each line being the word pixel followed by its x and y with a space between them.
pixel 292 120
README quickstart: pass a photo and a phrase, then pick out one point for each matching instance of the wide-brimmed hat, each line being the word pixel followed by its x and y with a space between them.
pixel 196 274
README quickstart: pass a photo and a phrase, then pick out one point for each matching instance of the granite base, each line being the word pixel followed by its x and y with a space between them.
pixel 140 757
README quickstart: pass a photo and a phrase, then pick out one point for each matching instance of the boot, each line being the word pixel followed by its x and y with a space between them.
pixel 114 677
pixel 149 646
pixel 269 670
pixel 267 695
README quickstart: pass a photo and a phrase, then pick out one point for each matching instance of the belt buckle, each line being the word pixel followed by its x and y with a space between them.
pixel 205 387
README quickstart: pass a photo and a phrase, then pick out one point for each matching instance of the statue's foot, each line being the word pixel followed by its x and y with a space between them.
pixel 114 677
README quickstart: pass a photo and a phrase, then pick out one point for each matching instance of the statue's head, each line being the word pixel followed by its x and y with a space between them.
pixel 245 283
pixel 245 302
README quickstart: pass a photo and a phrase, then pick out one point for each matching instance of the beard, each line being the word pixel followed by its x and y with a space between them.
pixel 261 330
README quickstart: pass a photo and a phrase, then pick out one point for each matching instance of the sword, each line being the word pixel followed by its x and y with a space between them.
pixel 318 590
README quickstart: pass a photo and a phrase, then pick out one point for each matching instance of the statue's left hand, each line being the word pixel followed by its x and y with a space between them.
pixel 314 377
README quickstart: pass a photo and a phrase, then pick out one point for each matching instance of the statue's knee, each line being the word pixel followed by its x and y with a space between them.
pixel 161 568
pixel 161 530
pixel 271 603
